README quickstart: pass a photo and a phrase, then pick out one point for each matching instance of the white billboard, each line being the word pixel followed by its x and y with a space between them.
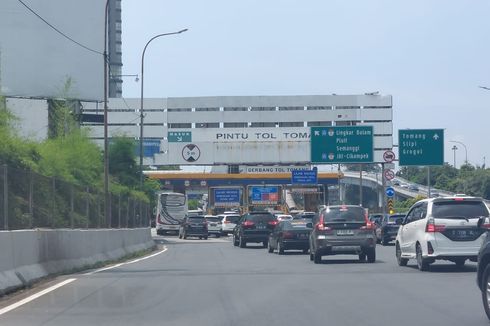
pixel 37 61
pixel 210 146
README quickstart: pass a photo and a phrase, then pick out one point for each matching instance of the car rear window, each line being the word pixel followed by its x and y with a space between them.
pixel 260 217
pixel 233 218
pixel 296 225
pixel 196 219
pixel 459 208
pixel 213 219
pixel 344 214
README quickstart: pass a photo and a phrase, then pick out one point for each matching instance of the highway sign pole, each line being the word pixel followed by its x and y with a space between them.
pixel 360 184
pixel 428 182
pixel 383 184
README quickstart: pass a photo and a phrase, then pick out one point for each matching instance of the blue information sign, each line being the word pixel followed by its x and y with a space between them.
pixel 266 195
pixel 390 192
pixel 227 197
pixel 304 177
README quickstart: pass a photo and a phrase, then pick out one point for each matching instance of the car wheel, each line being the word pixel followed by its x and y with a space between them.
pixel 200 238
pixel 378 241
pixel 422 263
pixel 218 235
pixel 371 255
pixel 305 251
pixel 401 261
pixel 485 293
pixel 317 258
pixel 205 238
pixel 180 235
pixel 235 241
pixel 280 249
pixel 184 235
pixel 269 247
pixel 311 256
pixel 362 257
pixel 241 242
pixel 384 242
pixel 460 262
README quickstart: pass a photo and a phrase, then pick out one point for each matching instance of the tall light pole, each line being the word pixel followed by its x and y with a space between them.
pixel 465 150
pixel 142 116
pixel 455 148
pixel 107 205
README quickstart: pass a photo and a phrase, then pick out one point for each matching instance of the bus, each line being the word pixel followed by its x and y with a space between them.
pixel 171 210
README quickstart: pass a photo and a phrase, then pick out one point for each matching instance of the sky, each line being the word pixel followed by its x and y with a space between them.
pixel 430 55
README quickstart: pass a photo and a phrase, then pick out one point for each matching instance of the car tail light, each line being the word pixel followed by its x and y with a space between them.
pixel 287 235
pixel 432 227
pixel 369 225
pixel 319 226
pixel 273 222
pixel 227 222
pixel 486 226
pixel 248 224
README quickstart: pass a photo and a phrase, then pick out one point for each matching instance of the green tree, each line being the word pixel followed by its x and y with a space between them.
pixel 122 161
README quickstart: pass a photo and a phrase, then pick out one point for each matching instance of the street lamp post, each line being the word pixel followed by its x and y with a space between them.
pixel 107 205
pixel 465 150
pixel 142 116
pixel 455 148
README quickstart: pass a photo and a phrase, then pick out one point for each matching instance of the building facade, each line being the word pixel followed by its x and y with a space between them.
pixel 115 48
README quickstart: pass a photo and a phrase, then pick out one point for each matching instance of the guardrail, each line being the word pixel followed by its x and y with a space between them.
pixel 30 200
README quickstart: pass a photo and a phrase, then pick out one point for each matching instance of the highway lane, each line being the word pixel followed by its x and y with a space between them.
pixel 198 282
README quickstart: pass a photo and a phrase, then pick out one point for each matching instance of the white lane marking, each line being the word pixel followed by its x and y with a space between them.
pixel 35 296
pixel 127 263
pixel 56 286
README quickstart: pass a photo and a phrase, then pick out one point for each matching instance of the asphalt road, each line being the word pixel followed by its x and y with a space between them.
pixel 198 282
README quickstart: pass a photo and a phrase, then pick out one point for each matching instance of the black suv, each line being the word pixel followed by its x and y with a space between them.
pixel 483 273
pixel 343 229
pixel 194 226
pixel 254 227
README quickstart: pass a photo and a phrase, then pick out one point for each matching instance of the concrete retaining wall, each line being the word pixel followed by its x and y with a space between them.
pixel 28 255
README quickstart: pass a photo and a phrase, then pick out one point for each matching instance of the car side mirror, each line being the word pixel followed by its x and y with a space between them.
pixel 399 221
pixel 309 225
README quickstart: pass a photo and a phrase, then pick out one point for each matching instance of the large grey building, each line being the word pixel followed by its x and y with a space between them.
pixel 115 48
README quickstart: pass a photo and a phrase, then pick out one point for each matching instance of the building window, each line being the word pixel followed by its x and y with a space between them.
pixel 179 125
pixel 347 107
pixel 235 109
pixel 263 124
pixel 180 110
pixel 319 108
pixel 207 124
pixel 291 108
pixel 345 123
pixel 235 124
pixel 291 124
pixel 319 123
pixel 269 108
pixel 206 109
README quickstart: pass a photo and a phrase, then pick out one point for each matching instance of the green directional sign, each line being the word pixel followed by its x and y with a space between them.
pixel 421 146
pixel 179 136
pixel 342 144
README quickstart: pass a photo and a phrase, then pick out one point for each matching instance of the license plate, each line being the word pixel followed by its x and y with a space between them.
pixel 302 236
pixel 213 224
pixel 345 232
pixel 261 227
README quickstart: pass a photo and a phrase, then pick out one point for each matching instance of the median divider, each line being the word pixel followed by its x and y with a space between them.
pixel 29 255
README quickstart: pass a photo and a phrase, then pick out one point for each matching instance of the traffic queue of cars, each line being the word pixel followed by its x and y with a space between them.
pixel 444 228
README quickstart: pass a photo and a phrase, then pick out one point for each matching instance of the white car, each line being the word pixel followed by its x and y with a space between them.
pixel 441 228
pixel 214 225
pixel 283 217
pixel 228 222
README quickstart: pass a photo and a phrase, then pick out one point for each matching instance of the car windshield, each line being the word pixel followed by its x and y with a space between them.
pixel 296 225
pixel 233 218
pixel 344 214
pixel 260 217
pixel 459 208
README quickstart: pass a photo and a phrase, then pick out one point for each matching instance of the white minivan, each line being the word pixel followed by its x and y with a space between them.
pixel 441 228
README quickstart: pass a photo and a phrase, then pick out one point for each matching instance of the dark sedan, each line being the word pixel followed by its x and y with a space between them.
pixel 289 235
pixel 194 226
pixel 387 229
